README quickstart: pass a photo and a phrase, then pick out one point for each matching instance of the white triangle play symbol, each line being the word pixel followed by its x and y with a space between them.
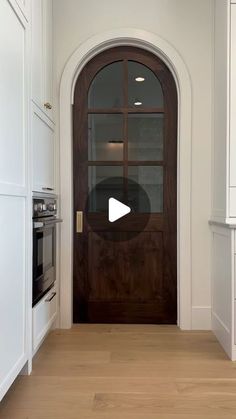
pixel 116 210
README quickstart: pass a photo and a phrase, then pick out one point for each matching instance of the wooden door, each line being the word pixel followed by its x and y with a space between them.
pixel 125 127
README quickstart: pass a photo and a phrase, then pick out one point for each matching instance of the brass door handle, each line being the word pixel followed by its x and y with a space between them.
pixel 47 105
pixel 79 221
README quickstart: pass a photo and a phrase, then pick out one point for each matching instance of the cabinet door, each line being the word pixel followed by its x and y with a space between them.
pixel 42 55
pixel 13 289
pixel 232 147
pixel 47 31
pixel 24 7
pixel 43 153
pixel 37 52
pixel 233 99
pixel 13 194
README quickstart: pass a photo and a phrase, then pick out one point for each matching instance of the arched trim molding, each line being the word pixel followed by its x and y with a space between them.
pixel 84 53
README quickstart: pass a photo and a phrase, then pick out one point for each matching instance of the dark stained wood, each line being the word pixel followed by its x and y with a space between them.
pixel 130 223
pixel 120 111
pixel 135 280
pixel 131 163
pixel 126 110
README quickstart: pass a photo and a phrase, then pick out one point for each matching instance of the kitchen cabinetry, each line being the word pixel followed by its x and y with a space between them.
pixel 223 289
pixel 224 149
pixel 43 152
pixel 44 314
pixel 43 141
pixel 223 220
pixel 15 200
pixel 42 55
pixel 42 98
pixel 26 135
pixel 24 6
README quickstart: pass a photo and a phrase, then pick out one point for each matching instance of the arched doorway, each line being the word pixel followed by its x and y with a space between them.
pixel 125 126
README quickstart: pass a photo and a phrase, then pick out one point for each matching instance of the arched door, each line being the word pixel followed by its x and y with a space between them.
pixel 125 147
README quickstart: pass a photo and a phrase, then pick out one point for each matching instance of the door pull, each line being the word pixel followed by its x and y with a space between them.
pixel 79 221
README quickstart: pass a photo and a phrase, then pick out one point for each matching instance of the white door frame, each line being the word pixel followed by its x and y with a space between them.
pixel 84 53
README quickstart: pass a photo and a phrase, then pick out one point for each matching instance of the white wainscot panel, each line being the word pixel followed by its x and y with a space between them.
pixel 12 99
pixel 12 283
pixel 221 286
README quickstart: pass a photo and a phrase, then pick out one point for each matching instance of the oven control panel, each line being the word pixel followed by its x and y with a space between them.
pixel 44 207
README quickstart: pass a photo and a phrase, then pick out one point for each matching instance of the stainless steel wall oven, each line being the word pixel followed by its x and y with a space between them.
pixel 44 244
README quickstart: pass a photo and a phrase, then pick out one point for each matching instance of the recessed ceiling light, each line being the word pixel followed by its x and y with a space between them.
pixel 138 103
pixel 140 79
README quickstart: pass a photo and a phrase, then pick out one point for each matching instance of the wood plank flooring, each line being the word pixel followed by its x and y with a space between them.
pixel 126 372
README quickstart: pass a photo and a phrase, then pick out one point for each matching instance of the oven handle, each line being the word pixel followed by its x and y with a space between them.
pixel 46 224
pixel 49 299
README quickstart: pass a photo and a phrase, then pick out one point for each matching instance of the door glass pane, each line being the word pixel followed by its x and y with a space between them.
pixel 144 88
pixel 104 182
pixel 105 137
pixel 151 179
pixel 106 90
pixel 145 136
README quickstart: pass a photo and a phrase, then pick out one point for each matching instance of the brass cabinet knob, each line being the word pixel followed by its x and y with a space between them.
pixel 47 105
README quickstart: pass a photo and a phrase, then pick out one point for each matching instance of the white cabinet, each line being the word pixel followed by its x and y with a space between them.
pixel 37 53
pixel 224 286
pixel 42 55
pixel 12 98
pixel 233 97
pixel 47 58
pixel 24 6
pixel 42 96
pixel 232 142
pixel 43 152
pixel 14 194
pixel 224 178
pixel 13 289
pixel 224 166
pixel 44 314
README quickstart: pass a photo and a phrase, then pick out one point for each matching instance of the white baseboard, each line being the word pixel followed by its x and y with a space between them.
pixel 16 369
pixel 233 355
pixel 201 318
pixel 222 334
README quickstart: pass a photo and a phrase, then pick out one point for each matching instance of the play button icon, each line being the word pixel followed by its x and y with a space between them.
pixel 117 210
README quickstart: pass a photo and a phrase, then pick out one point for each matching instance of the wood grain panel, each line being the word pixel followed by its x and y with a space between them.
pixel 125 270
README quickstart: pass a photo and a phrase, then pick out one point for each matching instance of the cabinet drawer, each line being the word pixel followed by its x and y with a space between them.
pixel 44 314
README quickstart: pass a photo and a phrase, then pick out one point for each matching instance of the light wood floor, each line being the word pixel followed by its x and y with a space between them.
pixel 126 372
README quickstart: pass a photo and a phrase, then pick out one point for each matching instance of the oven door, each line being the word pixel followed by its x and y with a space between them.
pixel 44 239
pixel 43 248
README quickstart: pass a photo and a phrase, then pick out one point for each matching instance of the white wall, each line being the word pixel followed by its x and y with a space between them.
pixel 188 26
